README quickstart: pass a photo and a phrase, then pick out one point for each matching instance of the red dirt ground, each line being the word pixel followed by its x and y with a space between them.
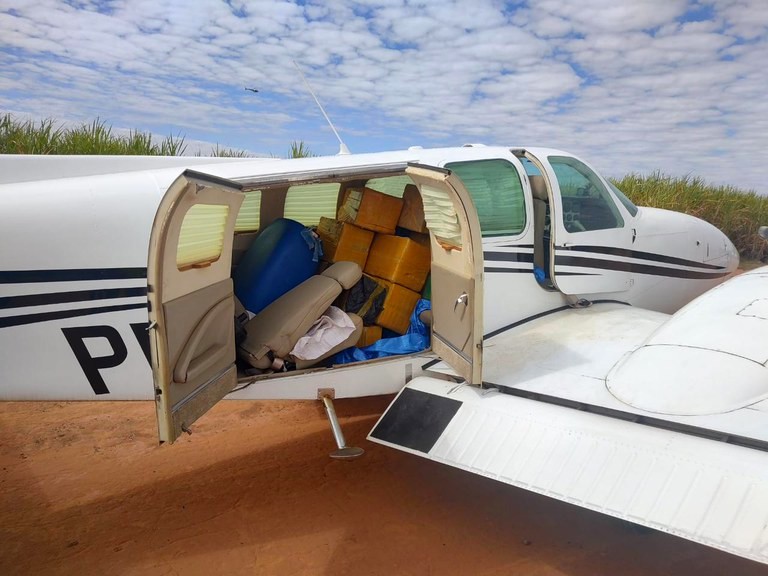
pixel 86 490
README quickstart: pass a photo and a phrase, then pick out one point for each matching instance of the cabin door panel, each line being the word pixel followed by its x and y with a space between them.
pixel 588 231
pixel 192 300
pixel 457 270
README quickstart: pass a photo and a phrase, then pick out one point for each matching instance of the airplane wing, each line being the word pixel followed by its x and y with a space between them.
pixel 579 405
pixel 707 491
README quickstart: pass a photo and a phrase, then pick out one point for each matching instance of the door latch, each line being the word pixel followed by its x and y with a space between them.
pixel 463 299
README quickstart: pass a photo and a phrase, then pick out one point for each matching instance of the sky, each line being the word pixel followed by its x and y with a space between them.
pixel 679 86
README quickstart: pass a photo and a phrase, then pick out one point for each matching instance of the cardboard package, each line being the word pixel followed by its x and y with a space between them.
pixel 400 260
pixel 370 335
pixel 370 209
pixel 343 241
pixel 412 214
pixel 398 307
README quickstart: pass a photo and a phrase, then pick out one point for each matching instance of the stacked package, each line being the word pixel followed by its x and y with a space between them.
pixel 395 267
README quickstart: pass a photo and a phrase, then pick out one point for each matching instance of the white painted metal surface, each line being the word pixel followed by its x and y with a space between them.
pixel 709 358
pixel 569 355
pixel 706 491
pixel 80 230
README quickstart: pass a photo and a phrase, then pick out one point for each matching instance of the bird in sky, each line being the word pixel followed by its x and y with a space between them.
pixel 251 89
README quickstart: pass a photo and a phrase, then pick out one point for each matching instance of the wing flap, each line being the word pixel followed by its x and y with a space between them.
pixel 703 490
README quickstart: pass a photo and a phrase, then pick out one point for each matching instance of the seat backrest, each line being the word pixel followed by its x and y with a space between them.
pixel 278 259
pixel 279 326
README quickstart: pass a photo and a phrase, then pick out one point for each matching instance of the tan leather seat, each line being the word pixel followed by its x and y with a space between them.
pixel 274 331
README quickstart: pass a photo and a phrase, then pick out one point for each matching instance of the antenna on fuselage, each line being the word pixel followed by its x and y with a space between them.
pixel 342 147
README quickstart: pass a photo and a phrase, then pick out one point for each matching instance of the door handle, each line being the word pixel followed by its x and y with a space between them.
pixel 463 299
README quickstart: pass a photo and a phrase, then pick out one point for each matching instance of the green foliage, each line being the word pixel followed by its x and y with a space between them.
pixel 300 150
pixel 25 138
pixel 29 137
pixel 736 212
pixel 228 153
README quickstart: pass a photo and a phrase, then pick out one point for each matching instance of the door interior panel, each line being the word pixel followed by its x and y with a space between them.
pixel 200 336
pixel 455 324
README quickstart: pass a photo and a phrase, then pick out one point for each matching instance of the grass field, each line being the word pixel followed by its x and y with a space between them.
pixel 736 212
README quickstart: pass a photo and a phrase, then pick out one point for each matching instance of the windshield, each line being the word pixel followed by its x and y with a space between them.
pixel 631 208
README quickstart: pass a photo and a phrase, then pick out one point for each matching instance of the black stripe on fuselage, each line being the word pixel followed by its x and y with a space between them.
pixel 509 270
pixel 67 297
pixel 614 265
pixel 528 246
pixel 508 257
pixel 491 269
pixel 626 253
pixel 8 321
pixel 70 275
pixel 621 266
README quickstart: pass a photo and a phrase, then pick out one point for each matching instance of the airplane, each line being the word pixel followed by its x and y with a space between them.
pixel 580 346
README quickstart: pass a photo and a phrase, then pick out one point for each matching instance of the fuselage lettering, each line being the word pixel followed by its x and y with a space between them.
pixel 92 365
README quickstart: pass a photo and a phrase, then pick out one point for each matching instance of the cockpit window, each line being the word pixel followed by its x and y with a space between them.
pixel 497 194
pixel 631 208
pixel 587 204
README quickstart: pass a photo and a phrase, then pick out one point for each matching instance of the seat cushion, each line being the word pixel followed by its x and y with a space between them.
pixel 279 326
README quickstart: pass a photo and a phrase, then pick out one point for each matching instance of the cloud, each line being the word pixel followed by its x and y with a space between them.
pixel 676 85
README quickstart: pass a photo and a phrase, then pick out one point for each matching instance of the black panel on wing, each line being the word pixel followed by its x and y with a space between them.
pixel 416 420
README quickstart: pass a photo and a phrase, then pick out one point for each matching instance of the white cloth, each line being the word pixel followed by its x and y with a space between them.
pixel 330 330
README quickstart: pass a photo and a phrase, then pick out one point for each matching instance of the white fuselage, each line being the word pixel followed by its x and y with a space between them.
pixel 75 241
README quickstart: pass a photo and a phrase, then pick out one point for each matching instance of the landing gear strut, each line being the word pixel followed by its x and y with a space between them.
pixel 343 452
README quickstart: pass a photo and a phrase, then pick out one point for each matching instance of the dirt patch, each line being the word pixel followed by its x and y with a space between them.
pixel 84 489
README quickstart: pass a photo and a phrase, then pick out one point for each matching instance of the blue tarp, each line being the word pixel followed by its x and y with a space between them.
pixel 415 340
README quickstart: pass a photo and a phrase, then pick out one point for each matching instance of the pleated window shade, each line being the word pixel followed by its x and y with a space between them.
pixel 202 235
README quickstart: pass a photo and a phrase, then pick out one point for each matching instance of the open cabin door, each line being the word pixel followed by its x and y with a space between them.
pixel 457 270
pixel 415 420
pixel 191 299
pixel 587 229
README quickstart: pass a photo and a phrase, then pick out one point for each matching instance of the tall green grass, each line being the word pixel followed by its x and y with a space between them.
pixel 736 212
pixel 46 137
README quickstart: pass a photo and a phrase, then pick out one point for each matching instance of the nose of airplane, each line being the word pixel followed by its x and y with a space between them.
pixel 714 246
pixel 732 255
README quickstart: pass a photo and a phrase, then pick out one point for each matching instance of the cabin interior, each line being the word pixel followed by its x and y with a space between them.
pixel 361 246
